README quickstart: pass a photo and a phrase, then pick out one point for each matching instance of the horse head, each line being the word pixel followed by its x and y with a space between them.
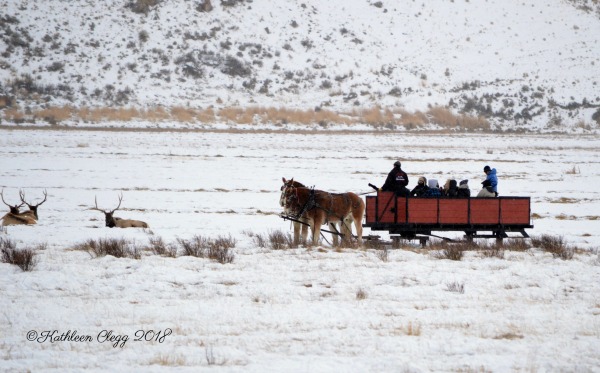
pixel 291 183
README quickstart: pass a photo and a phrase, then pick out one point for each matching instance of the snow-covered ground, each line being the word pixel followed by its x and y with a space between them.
pixel 306 309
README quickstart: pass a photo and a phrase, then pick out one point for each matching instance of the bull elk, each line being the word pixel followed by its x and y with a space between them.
pixel 14 217
pixel 112 221
pixel 32 208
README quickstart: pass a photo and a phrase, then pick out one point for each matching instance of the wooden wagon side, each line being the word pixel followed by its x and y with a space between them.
pixel 409 217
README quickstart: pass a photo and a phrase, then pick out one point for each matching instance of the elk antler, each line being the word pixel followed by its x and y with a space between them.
pixel 12 207
pixel 104 211
pixel 119 205
pixel 96 208
pixel 31 206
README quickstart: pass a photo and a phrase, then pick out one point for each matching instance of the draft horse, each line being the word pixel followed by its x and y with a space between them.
pixel 317 207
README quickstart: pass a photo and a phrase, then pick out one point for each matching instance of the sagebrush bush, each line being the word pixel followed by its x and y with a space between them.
pixel 117 247
pixel 383 254
pixel 456 287
pixel 517 244
pixel 142 6
pixel 361 294
pixel 194 247
pixel 23 258
pixel 279 240
pixel 159 247
pixel 374 244
pixel 556 245
pixel 453 251
pixel 218 249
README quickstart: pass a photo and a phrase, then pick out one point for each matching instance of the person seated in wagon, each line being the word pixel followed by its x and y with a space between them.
pixel 490 184
pixel 396 181
pixel 421 188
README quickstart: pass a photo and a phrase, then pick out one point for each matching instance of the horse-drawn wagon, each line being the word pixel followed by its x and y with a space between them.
pixel 417 218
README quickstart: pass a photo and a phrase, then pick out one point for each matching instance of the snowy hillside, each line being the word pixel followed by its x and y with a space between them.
pixel 517 64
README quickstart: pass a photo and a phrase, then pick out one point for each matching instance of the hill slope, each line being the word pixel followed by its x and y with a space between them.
pixel 520 65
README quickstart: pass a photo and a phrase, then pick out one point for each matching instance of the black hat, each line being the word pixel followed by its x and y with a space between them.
pixel 486 169
pixel 397 163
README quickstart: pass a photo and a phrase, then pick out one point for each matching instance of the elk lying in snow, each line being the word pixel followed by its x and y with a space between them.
pixel 112 222
pixel 14 217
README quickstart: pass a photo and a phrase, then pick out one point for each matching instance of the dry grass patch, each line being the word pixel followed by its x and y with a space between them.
pixel 456 287
pixel 447 119
pixel 573 171
pixel 375 116
pixel 516 244
pixel 182 114
pixel 410 329
pixel 170 360
pixel 55 114
pixel 565 200
pixel 13 114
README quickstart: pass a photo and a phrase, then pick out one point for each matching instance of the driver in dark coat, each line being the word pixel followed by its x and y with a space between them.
pixel 396 181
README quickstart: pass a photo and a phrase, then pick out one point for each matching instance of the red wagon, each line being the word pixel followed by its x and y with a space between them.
pixel 410 217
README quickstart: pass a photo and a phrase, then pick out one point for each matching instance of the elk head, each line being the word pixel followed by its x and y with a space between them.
pixel 13 209
pixel 33 208
pixel 108 215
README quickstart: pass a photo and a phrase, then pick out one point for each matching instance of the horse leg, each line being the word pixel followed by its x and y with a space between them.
pixel 296 233
pixel 334 236
pixel 358 217
pixel 305 232
pixel 317 221
pixel 359 228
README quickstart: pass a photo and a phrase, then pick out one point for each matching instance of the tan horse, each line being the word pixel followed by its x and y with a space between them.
pixel 302 223
pixel 317 207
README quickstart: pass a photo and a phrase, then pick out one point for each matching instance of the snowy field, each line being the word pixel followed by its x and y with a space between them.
pixel 306 309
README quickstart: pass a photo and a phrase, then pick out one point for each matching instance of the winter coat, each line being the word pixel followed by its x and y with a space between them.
pixel 434 190
pixel 493 179
pixel 419 190
pixel 396 181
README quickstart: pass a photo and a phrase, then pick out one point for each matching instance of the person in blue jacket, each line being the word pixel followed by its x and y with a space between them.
pixel 490 184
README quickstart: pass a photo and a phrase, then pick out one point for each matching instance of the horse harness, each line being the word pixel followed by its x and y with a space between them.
pixel 312 203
